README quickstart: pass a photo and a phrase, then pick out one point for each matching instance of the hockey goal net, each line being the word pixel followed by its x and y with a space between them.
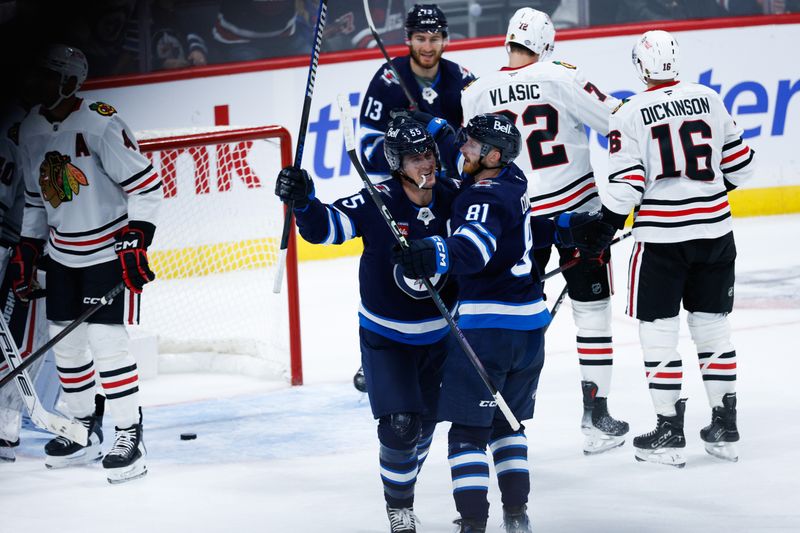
pixel 215 254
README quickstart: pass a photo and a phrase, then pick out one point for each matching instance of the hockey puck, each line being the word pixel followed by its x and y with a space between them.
pixel 188 436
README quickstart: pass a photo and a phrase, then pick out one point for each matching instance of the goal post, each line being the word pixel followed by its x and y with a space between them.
pixel 215 253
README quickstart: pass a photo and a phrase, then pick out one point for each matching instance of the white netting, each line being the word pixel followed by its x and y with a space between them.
pixel 215 254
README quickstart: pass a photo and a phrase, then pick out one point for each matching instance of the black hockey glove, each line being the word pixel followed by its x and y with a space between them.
pixel 585 231
pixel 437 127
pixel 22 267
pixel 615 219
pixel 423 258
pixel 294 185
pixel 131 247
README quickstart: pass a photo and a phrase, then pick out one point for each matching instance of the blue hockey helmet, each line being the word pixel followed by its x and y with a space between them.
pixel 426 18
pixel 494 131
pixel 406 136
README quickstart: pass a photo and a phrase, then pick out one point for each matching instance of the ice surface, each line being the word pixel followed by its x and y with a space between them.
pixel 271 458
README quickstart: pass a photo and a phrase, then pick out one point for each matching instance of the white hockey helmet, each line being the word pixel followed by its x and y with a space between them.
pixel 67 61
pixel 532 29
pixel 656 56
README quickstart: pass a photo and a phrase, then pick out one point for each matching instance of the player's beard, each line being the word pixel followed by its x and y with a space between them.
pixel 427 61
pixel 472 167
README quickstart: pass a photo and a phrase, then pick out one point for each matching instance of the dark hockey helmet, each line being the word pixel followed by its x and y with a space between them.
pixel 494 131
pixel 426 18
pixel 406 136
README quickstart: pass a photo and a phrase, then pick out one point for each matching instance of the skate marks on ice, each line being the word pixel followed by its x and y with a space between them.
pixel 777 288
pixel 283 424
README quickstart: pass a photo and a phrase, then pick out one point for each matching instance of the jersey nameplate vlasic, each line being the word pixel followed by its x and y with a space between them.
pixel 514 93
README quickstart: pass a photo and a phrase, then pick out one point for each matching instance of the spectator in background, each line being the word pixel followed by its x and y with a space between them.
pixel 636 10
pixel 246 30
pixel 347 26
pixel 174 39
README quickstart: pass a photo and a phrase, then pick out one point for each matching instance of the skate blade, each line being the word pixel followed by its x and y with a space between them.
pixel 662 456
pixel 53 462
pixel 722 450
pixel 7 458
pixel 597 442
pixel 116 476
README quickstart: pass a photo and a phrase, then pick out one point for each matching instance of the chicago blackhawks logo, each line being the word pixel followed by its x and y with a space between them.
pixel 102 109
pixel 59 179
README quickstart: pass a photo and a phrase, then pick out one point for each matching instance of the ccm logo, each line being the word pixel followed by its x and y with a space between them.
pixel 91 301
pixel 442 250
pixel 125 245
pixel 487 403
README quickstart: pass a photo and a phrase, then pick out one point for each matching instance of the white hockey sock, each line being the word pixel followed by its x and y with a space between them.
pixel 711 334
pixel 118 373
pixel 662 362
pixel 10 423
pixel 75 369
pixel 595 352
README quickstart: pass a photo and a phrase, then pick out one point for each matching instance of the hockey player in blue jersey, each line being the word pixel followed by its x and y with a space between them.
pixel 403 337
pixel 434 82
pixel 501 312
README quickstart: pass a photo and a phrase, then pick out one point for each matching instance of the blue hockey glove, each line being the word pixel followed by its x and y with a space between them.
pixel 423 258
pixel 585 231
pixel 294 185
pixel 436 126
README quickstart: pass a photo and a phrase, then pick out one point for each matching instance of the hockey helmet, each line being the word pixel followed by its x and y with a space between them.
pixel 532 29
pixel 406 136
pixel 67 61
pixel 493 130
pixel 656 56
pixel 426 18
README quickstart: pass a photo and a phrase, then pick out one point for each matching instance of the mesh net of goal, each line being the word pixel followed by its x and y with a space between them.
pixel 215 254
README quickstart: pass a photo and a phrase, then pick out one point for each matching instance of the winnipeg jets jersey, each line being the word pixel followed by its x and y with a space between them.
pixel 549 102
pixel 489 252
pixel 671 150
pixel 11 187
pixel 392 305
pixel 84 179
pixel 441 99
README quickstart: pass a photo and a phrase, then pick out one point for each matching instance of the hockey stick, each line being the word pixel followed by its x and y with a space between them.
pixel 411 101
pixel 104 300
pixel 349 136
pixel 59 425
pixel 569 264
pixel 322 15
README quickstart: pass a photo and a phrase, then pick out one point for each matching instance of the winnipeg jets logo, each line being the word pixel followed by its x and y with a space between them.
pixel 415 287
pixel 429 95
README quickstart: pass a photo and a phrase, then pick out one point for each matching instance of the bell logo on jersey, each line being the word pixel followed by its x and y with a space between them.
pixel 103 109
pixel 59 179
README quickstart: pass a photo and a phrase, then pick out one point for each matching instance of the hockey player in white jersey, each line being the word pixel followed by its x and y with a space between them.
pixel 674 152
pixel 91 201
pixel 550 101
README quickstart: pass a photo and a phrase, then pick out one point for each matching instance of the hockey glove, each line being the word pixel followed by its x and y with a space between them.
pixel 22 267
pixel 295 185
pixel 615 219
pixel 423 258
pixel 436 126
pixel 585 231
pixel 131 247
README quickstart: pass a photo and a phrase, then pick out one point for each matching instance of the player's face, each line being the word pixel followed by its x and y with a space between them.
pixel 45 85
pixel 421 168
pixel 471 150
pixel 426 48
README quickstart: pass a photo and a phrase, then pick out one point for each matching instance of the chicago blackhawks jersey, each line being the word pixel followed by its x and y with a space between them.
pixel 11 187
pixel 440 99
pixel 84 179
pixel 549 103
pixel 673 152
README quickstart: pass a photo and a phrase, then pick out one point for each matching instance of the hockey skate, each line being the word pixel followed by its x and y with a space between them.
pixel 470 525
pixel 126 460
pixel 515 519
pixel 62 452
pixel 7 453
pixel 359 380
pixel 602 432
pixel 722 432
pixel 402 520
pixel 662 444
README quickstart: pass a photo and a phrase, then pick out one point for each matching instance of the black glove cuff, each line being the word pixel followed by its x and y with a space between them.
pixel 147 229
pixel 615 219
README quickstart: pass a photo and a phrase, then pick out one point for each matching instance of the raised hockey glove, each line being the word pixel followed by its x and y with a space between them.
pixel 436 126
pixel 585 231
pixel 131 247
pixel 295 185
pixel 22 267
pixel 423 258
